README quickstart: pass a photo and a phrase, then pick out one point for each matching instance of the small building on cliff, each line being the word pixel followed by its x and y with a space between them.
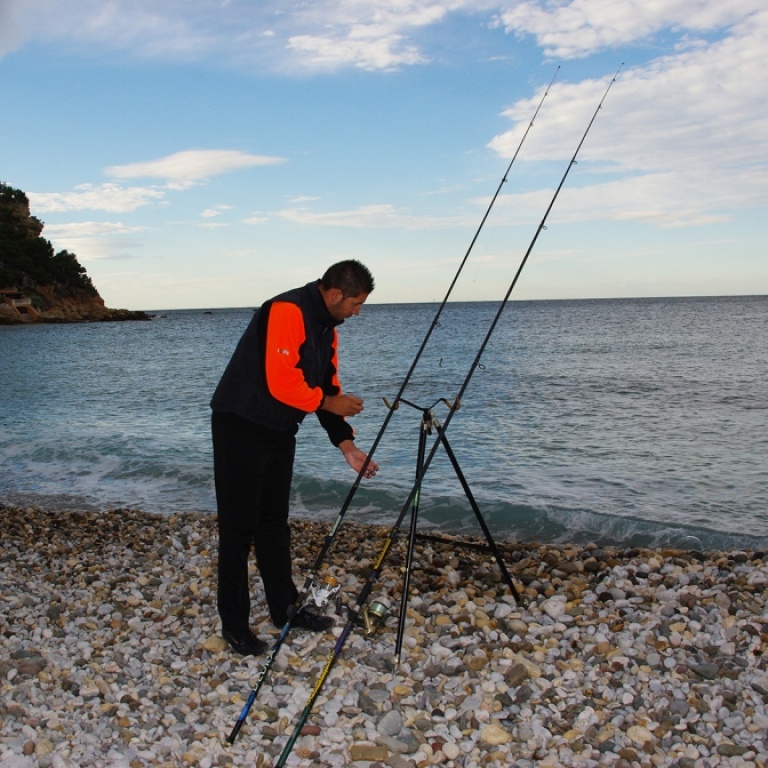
pixel 16 304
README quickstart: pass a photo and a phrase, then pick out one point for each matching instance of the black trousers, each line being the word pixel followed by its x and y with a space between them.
pixel 253 468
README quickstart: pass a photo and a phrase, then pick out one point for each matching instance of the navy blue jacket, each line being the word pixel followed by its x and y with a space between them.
pixel 244 389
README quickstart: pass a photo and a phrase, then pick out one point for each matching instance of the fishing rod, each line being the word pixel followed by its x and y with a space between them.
pixel 354 610
pixel 435 323
pixel 390 411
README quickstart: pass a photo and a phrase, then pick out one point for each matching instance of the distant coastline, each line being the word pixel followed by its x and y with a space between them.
pixel 372 303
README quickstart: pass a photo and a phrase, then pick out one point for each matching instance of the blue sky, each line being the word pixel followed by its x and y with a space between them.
pixel 194 153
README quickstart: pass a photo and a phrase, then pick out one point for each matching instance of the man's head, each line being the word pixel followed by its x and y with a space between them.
pixel 351 277
pixel 345 287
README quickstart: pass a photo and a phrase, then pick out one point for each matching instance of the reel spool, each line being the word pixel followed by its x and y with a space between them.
pixel 374 616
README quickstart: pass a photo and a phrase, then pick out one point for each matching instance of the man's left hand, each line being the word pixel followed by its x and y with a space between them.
pixel 356 458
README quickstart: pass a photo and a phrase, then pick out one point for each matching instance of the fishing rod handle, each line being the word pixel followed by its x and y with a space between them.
pixel 241 719
pixel 232 736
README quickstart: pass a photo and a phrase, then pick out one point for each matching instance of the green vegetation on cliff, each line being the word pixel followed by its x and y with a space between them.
pixel 27 260
pixel 38 285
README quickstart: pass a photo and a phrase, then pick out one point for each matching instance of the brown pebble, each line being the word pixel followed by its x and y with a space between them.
pixel 368 752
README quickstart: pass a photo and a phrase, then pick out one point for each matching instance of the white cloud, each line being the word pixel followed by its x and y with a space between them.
pixel 381 53
pixel 11 35
pixel 682 130
pixel 96 240
pixel 142 27
pixel 113 198
pixel 216 210
pixel 324 34
pixel 368 216
pixel 90 249
pixel 365 34
pixel 184 169
pixel 256 218
pixel 663 199
pixel 578 28
pixel 372 35
pixel 81 229
pixel 178 171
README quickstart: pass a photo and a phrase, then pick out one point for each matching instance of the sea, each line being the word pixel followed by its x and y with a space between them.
pixel 629 422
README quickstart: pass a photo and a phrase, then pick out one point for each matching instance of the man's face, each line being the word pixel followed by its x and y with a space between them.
pixel 342 308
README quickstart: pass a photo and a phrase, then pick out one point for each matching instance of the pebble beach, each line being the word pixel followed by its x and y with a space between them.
pixel 110 653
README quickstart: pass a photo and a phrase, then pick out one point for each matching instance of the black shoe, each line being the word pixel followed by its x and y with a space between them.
pixel 245 642
pixel 312 622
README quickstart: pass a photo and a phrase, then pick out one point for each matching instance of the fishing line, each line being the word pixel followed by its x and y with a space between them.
pixel 435 323
pixel 354 610
pixel 390 411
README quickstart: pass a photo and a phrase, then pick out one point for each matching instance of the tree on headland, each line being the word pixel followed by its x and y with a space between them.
pixel 37 284
pixel 27 260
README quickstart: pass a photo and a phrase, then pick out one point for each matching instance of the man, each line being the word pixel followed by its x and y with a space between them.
pixel 284 367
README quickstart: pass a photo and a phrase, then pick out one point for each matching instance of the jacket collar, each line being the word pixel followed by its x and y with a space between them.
pixel 319 310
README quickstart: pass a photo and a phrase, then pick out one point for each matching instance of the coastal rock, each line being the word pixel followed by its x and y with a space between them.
pixel 38 285
pixel 51 306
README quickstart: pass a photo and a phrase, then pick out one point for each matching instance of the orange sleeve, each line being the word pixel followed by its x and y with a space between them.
pixel 285 335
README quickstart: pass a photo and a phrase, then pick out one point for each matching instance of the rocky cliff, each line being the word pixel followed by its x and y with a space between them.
pixel 38 285
pixel 46 304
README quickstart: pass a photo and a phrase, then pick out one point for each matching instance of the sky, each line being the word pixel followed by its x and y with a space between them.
pixel 213 153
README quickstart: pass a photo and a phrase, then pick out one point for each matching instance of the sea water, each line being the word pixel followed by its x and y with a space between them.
pixel 629 421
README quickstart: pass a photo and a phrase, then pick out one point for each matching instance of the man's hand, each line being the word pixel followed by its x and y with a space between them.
pixel 343 405
pixel 356 458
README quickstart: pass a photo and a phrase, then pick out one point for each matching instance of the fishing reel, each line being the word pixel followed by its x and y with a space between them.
pixel 322 591
pixel 373 615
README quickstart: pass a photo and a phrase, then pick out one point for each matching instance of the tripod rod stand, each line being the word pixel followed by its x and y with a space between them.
pixel 428 422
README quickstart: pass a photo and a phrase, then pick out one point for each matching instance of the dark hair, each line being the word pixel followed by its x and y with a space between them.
pixel 351 277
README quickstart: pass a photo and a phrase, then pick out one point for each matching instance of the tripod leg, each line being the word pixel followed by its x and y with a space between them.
pixel 425 429
pixel 491 543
